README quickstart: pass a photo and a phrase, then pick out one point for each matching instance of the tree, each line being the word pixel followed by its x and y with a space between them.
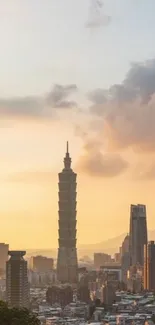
pixel 16 316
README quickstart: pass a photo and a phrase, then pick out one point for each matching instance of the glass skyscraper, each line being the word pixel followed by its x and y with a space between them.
pixel 138 234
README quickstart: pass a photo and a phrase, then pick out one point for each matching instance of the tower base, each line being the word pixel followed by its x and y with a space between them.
pixel 67 265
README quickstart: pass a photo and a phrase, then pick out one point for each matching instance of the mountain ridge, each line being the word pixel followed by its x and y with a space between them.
pixel 109 246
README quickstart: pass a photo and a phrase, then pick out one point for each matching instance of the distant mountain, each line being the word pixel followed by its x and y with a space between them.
pixel 109 246
pixel 43 252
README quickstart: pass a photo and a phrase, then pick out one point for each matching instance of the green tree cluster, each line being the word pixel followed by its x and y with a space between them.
pixel 16 316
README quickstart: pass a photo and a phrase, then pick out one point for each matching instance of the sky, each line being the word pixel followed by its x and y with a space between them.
pixel 82 71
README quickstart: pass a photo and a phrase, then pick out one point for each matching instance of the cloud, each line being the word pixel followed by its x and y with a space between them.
pixel 41 106
pixel 141 79
pixel 139 83
pixel 96 163
pixel 98 96
pixel 126 112
pixel 97 17
pixel 57 98
pixel 21 106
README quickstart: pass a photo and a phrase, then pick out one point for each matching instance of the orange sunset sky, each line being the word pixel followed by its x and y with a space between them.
pixel 74 72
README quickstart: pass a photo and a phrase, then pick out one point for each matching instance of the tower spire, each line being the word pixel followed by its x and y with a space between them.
pixel 67 159
pixel 67 147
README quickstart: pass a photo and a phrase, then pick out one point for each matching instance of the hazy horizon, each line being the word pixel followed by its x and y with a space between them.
pixel 111 246
pixel 83 73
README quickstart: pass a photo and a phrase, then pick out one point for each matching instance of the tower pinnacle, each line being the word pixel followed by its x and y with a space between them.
pixel 67 147
pixel 67 159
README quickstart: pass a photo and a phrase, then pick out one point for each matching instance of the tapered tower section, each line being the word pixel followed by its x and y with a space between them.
pixel 67 265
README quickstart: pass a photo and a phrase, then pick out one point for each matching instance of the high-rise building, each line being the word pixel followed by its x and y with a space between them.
pixel 3 255
pixel 125 258
pixel 41 263
pixel 83 293
pixel 149 266
pixel 100 259
pixel 138 234
pixel 17 288
pixel 125 264
pixel 67 266
pixel 109 292
pixel 62 295
pixel 117 257
pixel 125 245
pixel 135 279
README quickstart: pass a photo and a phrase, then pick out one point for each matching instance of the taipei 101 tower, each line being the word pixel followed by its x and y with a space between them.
pixel 67 265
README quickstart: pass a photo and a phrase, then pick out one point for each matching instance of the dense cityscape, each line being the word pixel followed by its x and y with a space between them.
pixel 77 234
pixel 115 289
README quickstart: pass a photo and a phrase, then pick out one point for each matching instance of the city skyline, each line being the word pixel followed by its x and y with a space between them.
pixel 83 78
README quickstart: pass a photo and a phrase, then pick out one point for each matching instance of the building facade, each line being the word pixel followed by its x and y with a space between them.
pixel 135 279
pixel 17 288
pixel 100 259
pixel 62 295
pixel 125 245
pixel 125 264
pixel 4 248
pixel 125 258
pixel 109 293
pixel 83 293
pixel 41 263
pixel 138 234
pixel 67 265
pixel 149 266
pixel 41 279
